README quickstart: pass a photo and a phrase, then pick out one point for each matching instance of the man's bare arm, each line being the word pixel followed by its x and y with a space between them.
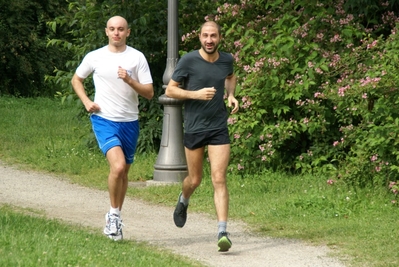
pixel 230 85
pixel 145 90
pixel 174 91
pixel 77 84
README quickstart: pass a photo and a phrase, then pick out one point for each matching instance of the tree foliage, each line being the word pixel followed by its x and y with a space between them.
pixel 317 87
pixel 317 79
pixel 84 24
pixel 23 54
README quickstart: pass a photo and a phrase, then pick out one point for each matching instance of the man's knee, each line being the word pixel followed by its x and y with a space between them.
pixel 219 180
pixel 119 169
pixel 194 181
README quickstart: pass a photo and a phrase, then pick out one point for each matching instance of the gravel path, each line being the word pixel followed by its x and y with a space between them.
pixel 154 224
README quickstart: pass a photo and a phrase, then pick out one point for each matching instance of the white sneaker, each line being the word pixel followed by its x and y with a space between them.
pixel 117 237
pixel 113 226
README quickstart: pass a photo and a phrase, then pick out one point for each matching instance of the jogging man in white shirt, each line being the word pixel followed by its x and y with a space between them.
pixel 120 73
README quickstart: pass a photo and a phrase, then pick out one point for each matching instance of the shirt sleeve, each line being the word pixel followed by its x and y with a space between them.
pixel 144 72
pixel 181 71
pixel 85 68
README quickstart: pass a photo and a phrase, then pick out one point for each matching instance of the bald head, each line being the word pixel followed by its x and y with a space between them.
pixel 117 20
pixel 117 31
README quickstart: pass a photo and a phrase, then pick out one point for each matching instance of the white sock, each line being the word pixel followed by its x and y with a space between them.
pixel 115 211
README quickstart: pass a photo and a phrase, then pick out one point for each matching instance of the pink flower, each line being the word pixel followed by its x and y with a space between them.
pixel 231 120
pixel 374 157
pixel 330 181
pixel 335 143
pixel 317 94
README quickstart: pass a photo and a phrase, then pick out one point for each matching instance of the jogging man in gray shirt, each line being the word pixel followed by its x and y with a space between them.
pixel 206 74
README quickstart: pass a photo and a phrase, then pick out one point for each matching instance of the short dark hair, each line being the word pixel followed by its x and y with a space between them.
pixel 214 23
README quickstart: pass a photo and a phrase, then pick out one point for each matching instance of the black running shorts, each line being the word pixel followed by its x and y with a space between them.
pixel 214 137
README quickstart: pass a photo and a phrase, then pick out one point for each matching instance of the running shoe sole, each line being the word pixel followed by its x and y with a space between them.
pixel 224 244
pixel 118 237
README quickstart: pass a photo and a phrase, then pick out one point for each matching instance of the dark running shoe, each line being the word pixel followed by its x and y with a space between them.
pixel 224 243
pixel 180 214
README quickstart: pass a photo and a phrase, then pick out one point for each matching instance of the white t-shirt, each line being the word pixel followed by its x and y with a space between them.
pixel 117 100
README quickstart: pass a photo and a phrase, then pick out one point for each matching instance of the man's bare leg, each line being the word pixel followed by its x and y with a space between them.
pixel 117 187
pixel 117 178
pixel 219 156
pixel 194 159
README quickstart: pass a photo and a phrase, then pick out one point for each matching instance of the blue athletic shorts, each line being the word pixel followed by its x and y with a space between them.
pixel 214 137
pixel 110 134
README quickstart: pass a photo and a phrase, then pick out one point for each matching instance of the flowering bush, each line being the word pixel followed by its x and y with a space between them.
pixel 394 188
pixel 317 87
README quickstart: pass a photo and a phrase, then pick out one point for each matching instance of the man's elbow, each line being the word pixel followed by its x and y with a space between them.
pixel 150 95
pixel 75 80
pixel 167 91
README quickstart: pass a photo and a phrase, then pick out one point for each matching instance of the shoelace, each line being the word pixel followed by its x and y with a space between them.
pixel 182 210
pixel 115 220
pixel 221 234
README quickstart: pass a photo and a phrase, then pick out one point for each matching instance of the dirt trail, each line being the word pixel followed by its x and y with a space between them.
pixel 154 224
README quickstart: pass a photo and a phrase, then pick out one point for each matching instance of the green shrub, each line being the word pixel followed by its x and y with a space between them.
pixel 317 88
pixel 316 79
pixel 24 57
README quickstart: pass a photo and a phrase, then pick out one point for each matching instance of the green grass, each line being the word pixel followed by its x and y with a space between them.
pixel 42 134
pixel 360 225
pixel 29 239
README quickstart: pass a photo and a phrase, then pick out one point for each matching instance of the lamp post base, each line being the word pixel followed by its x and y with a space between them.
pixel 169 176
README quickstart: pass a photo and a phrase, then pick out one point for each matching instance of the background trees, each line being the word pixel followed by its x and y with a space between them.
pixel 24 57
pixel 84 24
pixel 317 79
pixel 318 87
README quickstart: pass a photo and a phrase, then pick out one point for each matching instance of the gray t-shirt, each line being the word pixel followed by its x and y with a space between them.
pixel 195 73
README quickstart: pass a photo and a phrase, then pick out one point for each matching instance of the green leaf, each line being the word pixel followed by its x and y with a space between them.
pixel 347 32
pixel 324 67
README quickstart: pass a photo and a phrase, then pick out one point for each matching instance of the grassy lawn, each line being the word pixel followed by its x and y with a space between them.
pixel 360 225
pixel 32 240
